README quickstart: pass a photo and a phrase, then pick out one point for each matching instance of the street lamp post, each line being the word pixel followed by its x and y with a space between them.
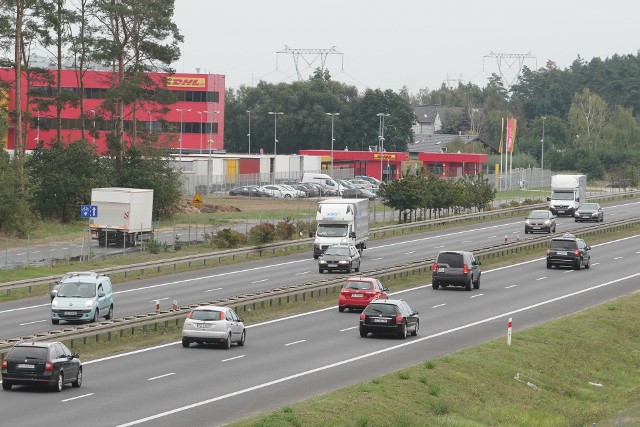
pixel 332 139
pixel 149 113
pixel 381 138
pixel 200 112
pixel 275 139
pixel 249 134
pixel 181 110
pixel 210 143
pixel 542 142
pixel 94 124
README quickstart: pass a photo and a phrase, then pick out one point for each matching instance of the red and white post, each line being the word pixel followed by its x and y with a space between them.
pixel 509 326
pixel 175 305
pixel 157 305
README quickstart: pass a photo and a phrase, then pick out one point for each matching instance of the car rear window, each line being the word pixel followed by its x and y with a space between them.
pixel 205 315
pixel 563 244
pixel 31 353
pixel 454 260
pixel 359 285
pixel 381 309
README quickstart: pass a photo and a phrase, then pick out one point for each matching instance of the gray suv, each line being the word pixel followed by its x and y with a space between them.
pixel 456 268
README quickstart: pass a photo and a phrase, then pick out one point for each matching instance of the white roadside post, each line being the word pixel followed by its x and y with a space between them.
pixel 509 326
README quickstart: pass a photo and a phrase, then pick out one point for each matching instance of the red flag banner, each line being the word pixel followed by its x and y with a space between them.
pixel 511 133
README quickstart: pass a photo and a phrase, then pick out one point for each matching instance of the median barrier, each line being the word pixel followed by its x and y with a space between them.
pixel 294 293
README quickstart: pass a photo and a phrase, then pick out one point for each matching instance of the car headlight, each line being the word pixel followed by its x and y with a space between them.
pixel 547 222
pixel 88 304
pixel 322 261
pixel 577 214
pixel 343 262
pixel 55 304
pixel 527 222
pixel 595 214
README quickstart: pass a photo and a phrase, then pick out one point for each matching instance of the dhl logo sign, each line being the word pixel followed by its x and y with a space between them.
pixel 385 156
pixel 185 82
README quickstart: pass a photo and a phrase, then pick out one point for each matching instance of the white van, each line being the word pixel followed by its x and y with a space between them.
pixel 325 181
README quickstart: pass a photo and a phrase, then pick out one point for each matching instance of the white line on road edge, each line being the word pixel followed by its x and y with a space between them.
pixel 234 358
pixel 295 342
pixel 77 397
pixel 368 355
pixel 161 376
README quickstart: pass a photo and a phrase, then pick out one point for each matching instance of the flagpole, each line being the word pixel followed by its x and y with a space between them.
pixel 500 150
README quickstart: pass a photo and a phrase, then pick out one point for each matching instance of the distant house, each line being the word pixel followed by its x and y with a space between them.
pixel 437 143
pixel 428 119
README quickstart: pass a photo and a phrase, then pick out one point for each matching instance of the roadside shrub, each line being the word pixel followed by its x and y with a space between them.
pixel 285 230
pixel 228 238
pixel 306 227
pixel 155 247
pixel 262 233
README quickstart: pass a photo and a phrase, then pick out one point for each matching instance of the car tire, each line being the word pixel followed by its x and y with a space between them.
pixel 476 285
pixel 435 286
pixel 554 228
pixel 59 382
pixel 6 385
pixel 467 286
pixel 402 333
pixel 243 337
pixel 110 313
pixel 578 265
pixel 320 271
pixel 549 265
pixel 227 343
pixel 78 382
pixel 341 309
pixel 54 321
pixel 349 269
pixel 588 264
pixel 316 256
pixel 96 316
pixel 185 343
pixel 363 334
pixel 415 330
pixel 287 196
pixel 358 269
pixel 602 218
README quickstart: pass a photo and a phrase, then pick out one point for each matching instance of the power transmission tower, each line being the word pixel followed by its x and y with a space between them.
pixel 450 81
pixel 510 60
pixel 315 54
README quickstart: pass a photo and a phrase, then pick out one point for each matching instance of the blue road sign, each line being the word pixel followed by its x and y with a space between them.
pixel 88 211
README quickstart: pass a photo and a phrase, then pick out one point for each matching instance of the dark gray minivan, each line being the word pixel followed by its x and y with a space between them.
pixel 456 268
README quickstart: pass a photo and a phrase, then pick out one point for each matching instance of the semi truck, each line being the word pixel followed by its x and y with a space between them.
pixel 567 193
pixel 341 221
pixel 124 216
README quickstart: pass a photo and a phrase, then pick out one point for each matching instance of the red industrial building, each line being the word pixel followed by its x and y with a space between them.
pixel 391 164
pixel 196 118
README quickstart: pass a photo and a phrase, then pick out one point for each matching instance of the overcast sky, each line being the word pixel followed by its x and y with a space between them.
pixel 391 44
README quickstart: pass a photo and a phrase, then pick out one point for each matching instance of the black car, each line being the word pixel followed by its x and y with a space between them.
pixel 342 257
pixel 247 190
pixel 589 212
pixel 50 364
pixel 456 268
pixel 357 193
pixel 540 221
pixel 568 251
pixel 389 316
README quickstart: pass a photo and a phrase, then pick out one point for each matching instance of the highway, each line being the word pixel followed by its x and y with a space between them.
pixel 31 315
pixel 294 358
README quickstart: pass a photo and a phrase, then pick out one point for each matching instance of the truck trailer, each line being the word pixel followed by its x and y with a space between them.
pixel 124 216
pixel 341 221
pixel 567 193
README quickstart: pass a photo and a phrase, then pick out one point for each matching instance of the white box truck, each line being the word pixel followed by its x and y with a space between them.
pixel 567 193
pixel 124 215
pixel 341 221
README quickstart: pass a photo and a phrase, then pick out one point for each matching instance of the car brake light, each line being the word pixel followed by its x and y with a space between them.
pixel 435 267
pixel 399 319
pixel 4 363
pixel 190 314
pixel 48 366
pixel 465 269
pixel 362 316
pixel 577 252
pixel 222 315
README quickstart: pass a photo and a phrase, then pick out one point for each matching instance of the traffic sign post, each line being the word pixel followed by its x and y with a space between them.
pixel 88 211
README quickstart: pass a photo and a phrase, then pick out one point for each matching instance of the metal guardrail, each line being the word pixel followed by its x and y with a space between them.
pixel 379 232
pixel 293 292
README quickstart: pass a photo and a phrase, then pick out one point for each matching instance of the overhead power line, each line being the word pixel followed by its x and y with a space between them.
pixel 309 56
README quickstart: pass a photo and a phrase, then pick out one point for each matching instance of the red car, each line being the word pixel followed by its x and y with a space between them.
pixel 358 292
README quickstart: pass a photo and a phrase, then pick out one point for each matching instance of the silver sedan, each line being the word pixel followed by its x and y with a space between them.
pixel 215 325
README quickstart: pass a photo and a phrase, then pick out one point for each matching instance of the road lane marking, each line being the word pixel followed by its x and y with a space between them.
pixel 409 253
pixel 31 323
pixel 618 257
pixel 467 241
pixel 477 295
pixel 439 305
pixel 440 247
pixel 161 376
pixel 295 342
pixel 233 358
pixel 377 259
pixel 304 272
pixel 348 329
pixel 77 397
pixel 510 286
pixel 159 299
pixel 541 278
pixel 259 281
pixel 214 289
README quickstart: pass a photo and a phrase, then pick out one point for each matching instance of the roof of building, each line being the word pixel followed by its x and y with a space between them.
pixel 436 143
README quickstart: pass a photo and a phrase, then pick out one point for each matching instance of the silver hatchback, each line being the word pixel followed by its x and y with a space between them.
pixel 211 324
